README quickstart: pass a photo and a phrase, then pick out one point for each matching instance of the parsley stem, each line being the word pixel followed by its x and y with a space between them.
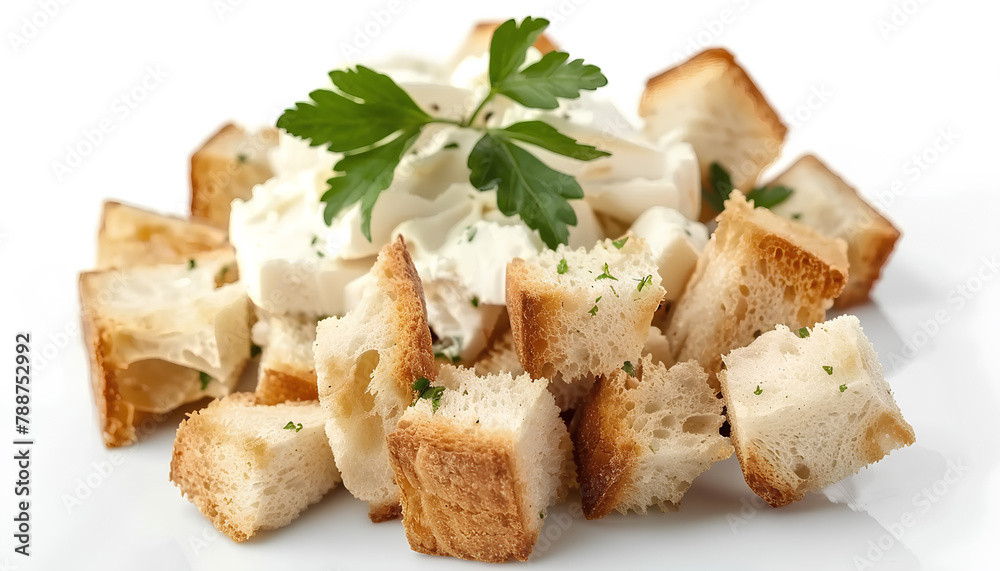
pixel 489 96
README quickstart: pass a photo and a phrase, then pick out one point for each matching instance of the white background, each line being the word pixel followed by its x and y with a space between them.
pixel 867 85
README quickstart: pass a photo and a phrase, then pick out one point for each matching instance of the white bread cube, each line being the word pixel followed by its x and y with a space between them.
pixel 478 473
pixel 366 364
pixel 588 320
pixel 227 166
pixel 722 113
pixel 822 200
pixel 250 468
pixel 287 366
pixel 641 441
pixel 131 236
pixel 162 336
pixel 757 271
pixel 807 412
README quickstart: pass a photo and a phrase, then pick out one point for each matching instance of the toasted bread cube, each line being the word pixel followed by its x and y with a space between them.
pixel 287 366
pixel 822 200
pixel 131 236
pixel 366 364
pixel 757 271
pixel 576 313
pixel 162 336
pixel 252 467
pixel 479 465
pixel 722 113
pixel 807 412
pixel 228 166
pixel 641 441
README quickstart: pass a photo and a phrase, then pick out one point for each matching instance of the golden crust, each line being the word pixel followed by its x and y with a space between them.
pixel 132 236
pixel 115 417
pixel 870 240
pixel 276 387
pixel 460 494
pixel 605 453
pixel 721 62
pixel 533 322
pixel 805 270
pixel 414 351
pixel 189 466
pixel 227 166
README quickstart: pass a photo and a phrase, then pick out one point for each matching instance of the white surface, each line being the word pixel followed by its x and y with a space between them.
pixel 876 102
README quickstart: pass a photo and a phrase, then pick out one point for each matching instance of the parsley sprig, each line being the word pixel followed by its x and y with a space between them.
pixel 721 185
pixel 374 122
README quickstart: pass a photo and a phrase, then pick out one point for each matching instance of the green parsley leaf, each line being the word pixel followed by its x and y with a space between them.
pixel 721 185
pixel 254 350
pixel 547 137
pixel 204 379
pixel 606 275
pixel 628 368
pixel 420 384
pixel 543 83
pixel 843 388
pixel 828 369
pixel 475 301
pixel 365 176
pixel 424 390
pixel 648 280
pixel 292 426
pixel 510 44
pixel 770 196
pixel 593 310
pixel 563 267
pixel 803 332
pixel 525 186
pixel 620 242
pixel 191 264
pixel 758 391
pixel 368 108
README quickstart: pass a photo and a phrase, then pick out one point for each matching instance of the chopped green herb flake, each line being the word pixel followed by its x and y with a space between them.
pixel 843 388
pixel 803 332
pixel 758 391
pixel 563 267
pixel 424 390
pixel 451 145
pixel 475 301
pixel 628 368
pixel 471 233
pixel 313 242
pixel 191 264
pixel 648 280
pixel 254 350
pixel 614 292
pixel 204 379
pixel 828 369
pixel 797 216
pixel 620 242
pixel 320 254
pixel 292 426
pixel 606 275
pixel 241 158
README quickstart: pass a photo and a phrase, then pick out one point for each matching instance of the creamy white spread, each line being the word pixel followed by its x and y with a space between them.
pixel 293 263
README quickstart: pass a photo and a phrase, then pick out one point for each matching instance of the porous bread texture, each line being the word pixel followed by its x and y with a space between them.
pixel 131 236
pixel 758 270
pixel 722 113
pixel 161 336
pixel 287 366
pixel 245 471
pixel 641 441
pixel 366 364
pixel 228 166
pixel 588 320
pixel 799 427
pixel 823 201
pixel 478 473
